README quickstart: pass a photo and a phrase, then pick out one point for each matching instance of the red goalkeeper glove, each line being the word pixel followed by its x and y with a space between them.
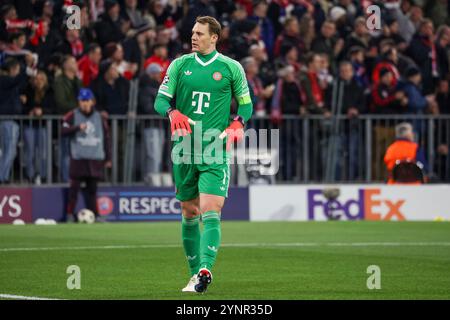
pixel 234 132
pixel 179 123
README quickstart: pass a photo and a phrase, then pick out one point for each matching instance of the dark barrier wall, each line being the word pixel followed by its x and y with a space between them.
pixel 115 203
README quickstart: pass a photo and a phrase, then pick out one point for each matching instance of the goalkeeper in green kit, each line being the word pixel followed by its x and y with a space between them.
pixel 203 84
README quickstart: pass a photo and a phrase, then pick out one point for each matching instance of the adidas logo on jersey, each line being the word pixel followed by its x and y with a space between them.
pixel 187 72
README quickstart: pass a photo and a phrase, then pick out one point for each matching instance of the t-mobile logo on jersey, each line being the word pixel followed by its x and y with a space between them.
pixel 200 103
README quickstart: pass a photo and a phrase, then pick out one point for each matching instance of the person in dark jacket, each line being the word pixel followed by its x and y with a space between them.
pixel 90 151
pixel 109 28
pixel 422 50
pixel 417 102
pixel 346 97
pixel 39 101
pixel 111 90
pixel 12 79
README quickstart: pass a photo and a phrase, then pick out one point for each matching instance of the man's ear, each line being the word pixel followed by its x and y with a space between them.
pixel 215 37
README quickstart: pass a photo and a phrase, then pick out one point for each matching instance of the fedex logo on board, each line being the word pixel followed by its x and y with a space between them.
pixel 369 204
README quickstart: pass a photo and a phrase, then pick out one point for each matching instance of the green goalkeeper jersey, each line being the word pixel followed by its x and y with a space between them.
pixel 203 87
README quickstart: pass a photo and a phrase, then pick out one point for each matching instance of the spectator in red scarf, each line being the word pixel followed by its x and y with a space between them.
pixel 290 37
pixel 88 64
pixel 388 61
pixel 72 44
pixel 313 94
pixel 258 92
pixel 385 98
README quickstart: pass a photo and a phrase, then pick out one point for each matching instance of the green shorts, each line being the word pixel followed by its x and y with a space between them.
pixel 192 179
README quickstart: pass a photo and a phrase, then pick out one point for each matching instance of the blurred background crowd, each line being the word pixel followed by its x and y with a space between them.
pixel 302 58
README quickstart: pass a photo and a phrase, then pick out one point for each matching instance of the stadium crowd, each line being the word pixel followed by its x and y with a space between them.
pixel 301 57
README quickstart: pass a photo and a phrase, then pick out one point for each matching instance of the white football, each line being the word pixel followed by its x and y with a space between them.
pixel 40 221
pixel 86 216
pixel 18 222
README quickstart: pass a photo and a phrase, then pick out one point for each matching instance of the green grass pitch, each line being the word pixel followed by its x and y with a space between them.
pixel 258 260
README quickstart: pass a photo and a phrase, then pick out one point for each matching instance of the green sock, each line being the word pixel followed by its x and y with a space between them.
pixel 190 233
pixel 210 241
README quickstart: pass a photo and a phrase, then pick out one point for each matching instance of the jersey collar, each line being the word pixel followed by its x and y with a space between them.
pixel 207 62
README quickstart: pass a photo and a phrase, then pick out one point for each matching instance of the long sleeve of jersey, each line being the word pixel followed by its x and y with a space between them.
pixel 242 93
pixel 167 89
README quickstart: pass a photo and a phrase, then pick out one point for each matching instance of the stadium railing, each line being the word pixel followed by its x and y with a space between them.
pixel 312 149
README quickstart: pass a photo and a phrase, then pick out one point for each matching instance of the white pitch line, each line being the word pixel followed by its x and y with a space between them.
pixel 12 296
pixel 240 245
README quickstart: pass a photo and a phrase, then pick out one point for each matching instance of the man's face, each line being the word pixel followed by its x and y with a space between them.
pixel 359 56
pixel 21 41
pixel 112 72
pixel 11 14
pixel 202 41
pixel 386 79
pixel 72 35
pixel 394 56
pixel 96 55
pixel 118 54
pixel 261 9
pixel 86 106
pixel 416 13
pixel 416 79
pixel 114 12
pixel 361 29
pixel 293 27
pixel 328 30
pixel 71 65
pixel 427 29
pixel 346 72
pixel 163 36
pixel 161 52
pixel 316 63
pixel 48 9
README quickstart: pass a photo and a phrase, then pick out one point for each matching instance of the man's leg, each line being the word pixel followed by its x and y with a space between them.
pixel 210 206
pixel 72 199
pixel 91 195
pixel 190 233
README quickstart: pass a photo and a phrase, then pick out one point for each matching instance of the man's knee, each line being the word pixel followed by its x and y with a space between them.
pixel 211 205
pixel 190 209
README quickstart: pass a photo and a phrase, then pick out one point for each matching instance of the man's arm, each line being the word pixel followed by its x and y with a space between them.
pixel 167 89
pixel 241 92
pixel 68 128
pixel 179 123
pixel 235 132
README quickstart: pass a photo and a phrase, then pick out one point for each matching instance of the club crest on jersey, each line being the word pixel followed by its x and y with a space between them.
pixel 217 76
